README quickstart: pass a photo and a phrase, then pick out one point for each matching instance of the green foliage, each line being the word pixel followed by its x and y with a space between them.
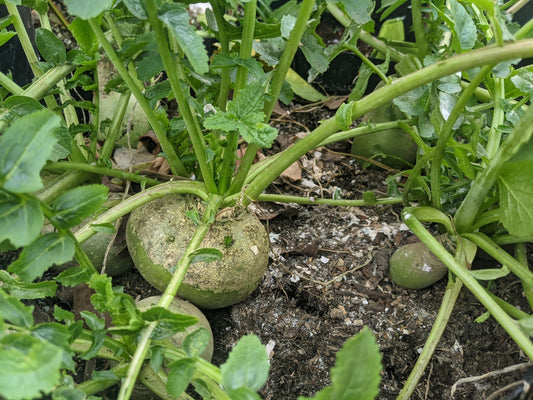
pixel 356 374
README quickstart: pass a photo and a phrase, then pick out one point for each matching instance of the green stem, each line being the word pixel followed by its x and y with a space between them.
pixel 418 28
pixel 330 202
pixel 504 258
pixel 446 133
pixel 278 78
pixel 174 162
pixel 510 326
pixel 509 308
pixel 47 81
pixel 366 37
pixel 475 58
pixel 445 310
pixel 115 128
pixel 225 78
pixel 168 295
pixel 469 208
pixel 169 62
pixel 521 257
pixel 93 169
pixel 8 84
pixel 498 118
pixel 245 52
pixel 137 200
pixel 66 182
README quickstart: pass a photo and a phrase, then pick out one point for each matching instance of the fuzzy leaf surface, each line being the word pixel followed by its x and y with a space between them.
pixel 247 365
pixel 176 17
pixel 41 254
pixel 23 216
pixel 464 27
pixel 24 149
pixel 179 376
pixel 77 204
pixel 29 366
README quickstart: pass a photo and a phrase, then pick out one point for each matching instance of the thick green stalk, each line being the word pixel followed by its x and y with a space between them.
pixel 189 118
pixel 245 52
pixel 418 28
pixel 330 202
pixel 168 295
pixel 507 323
pixel 7 83
pixel 278 78
pixel 469 208
pixel 225 79
pixel 115 128
pixel 445 310
pixel 446 133
pixel 68 181
pixel 465 61
pixel 47 81
pixel 128 205
pixel 174 162
pixel 498 117
pixel 500 255
pixel 98 170
pixel 521 257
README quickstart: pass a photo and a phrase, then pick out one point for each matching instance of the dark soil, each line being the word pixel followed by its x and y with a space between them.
pixel 327 278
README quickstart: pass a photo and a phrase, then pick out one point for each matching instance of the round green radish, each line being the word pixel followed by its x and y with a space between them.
pixel 180 306
pixel 393 147
pixel 159 232
pixel 413 266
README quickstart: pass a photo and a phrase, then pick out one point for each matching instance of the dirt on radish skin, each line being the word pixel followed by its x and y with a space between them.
pixel 159 232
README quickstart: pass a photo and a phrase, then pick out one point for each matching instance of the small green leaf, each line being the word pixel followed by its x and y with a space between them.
pixel 24 149
pixel 22 290
pixel 92 320
pixel 41 254
pixel 23 216
pixel 50 47
pixel 14 311
pixel 193 216
pixel 358 10
pixel 490 273
pixel 526 324
pixel 169 323
pixel 516 197
pixel 5 37
pixel 87 9
pixel 356 374
pixel 369 197
pixel 523 81
pixel 84 35
pixel 176 17
pixel 74 276
pixel 136 7
pixel 343 116
pixel 179 376
pixel 206 255
pixel 196 342
pixel 77 204
pixel 464 26
pixel 28 373
pixel 247 365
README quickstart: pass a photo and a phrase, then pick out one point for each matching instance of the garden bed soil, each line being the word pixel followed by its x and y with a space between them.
pixel 327 278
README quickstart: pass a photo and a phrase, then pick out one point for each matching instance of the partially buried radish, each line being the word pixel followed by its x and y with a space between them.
pixel 159 232
pixel 413 266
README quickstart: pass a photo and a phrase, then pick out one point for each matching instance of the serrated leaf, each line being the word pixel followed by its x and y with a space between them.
pixel 50 47
pixel 206 255
pixel 87 9
pixel 30 373
pixel 77 204
pixel 196 342
pixel 149 66
pixel 23 216
pixel 516 197
pixel 179 376
pixel 523 81
pixel 24 149
pixel 176 17
pixel 22 290
pixel 247 365
pixel 14 311
pixel 41 254
pixel 358 10
pixel 464 26
pixel 356 374
pixel 169 323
